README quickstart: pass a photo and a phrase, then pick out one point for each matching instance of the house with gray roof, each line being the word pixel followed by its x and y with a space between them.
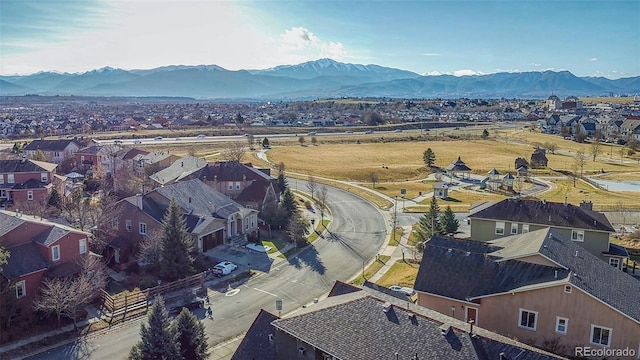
pixel 365 324
pixel 210 217
pixel 56 151
pixel 588 228
pixel 537 286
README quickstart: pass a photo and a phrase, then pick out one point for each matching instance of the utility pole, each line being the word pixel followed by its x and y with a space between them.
pixel 395 210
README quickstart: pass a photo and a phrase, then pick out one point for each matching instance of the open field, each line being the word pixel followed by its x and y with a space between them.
pixel 608 100
pixel 602 200
pixel 459 200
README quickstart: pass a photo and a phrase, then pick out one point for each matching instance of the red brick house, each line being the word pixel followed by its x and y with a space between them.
pixel 28 181
pixel 38 249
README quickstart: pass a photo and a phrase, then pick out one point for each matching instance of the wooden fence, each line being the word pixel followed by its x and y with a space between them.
pixel 121 304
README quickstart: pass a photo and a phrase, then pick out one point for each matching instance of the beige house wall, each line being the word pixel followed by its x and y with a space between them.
pixel 443 305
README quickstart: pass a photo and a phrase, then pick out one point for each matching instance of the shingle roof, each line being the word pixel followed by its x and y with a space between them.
pixel 234 171
pixel 26 165
pixel 341 288
pixel 24 259
pixel 256 345
pixel 49 145
pixel 459 165
pixel 465 269
pixel 30 184
pixel 545 213
pixel 181 168
pixel 8 222
pixel 50 236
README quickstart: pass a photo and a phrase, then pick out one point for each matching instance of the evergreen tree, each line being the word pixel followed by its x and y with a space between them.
pixel 485 134
pixel 17 148
pixel 282 180
pixel 288 203
pixel 191 336
pixel 265 143
pixel 429 224
pixel 158 337
pixel 298 229
pixel 177 259
pixel 429 158
pixel 54 199
pixel 449 222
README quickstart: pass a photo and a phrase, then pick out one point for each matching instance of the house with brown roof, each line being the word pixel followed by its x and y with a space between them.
pixel 538 159
pixel 38 249
pixel 55 150
pixel 363 324
pixel 540 287
pixel 587 228
pixel 28 181
pixel 211 218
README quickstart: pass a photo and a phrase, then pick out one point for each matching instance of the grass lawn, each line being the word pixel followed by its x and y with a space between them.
pixel 395 240
pixel 401 273
pixel 318 230
pixel 275 244
pixel 372 270
pixel 603 200
pixel 413 188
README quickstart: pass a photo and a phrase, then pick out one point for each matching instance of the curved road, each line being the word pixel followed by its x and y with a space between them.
pixel 358 231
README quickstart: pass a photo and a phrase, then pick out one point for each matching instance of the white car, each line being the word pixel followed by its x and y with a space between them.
pixel 158 138
pixel 137 141
pixel 224 268
pixel 404 290
pixel 258 248
pixel 201 136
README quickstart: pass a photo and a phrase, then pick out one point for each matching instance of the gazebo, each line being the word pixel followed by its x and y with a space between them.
pixel 494 181
pixel 458 169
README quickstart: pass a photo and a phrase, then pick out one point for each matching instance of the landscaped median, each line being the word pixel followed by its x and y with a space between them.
pixel 372 269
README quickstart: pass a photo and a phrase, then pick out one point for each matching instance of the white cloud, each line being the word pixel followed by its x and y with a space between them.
pixel 431 54
pixel 299 44
pixel 536 65
pixel 593 59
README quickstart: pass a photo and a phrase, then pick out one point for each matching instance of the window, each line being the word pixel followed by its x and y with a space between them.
pixel 237 185
pixel 525 228
pixel 230 185
pixel 561 325
pixel 577 235
pixel 44 177
pixel 567 289
pixel 29 195
pixel 142 228
pixel 500 228
pixel 528 319
pixel 1 178
pixel 615 262
pixel 83 246
pixel 514 228
pixel 21 289
pixel 55 253
pixel 82 158
pixel 10 179
pixel 600 335
pixel 128 225
pixel 115 224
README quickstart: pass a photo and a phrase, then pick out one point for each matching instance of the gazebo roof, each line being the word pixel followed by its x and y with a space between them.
pixel 459 165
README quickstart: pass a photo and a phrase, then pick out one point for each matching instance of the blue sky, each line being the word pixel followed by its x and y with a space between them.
pixel 588 38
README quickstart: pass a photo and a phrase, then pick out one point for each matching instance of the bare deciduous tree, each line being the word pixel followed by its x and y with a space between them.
pixel 235 151
pixel 580 160
pixel 76 209
pixel 150 249
pixel 322 201
pixel 623 211
pixel 595 147
pixel 311 185
pixel 374 178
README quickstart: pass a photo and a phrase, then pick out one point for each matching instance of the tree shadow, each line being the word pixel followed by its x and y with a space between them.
pixel 80 349
pixel 310 257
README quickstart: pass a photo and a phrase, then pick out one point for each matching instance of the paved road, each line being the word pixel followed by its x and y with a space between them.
pixel 359 231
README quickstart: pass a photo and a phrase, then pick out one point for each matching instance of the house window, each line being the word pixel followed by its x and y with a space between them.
pixel 577 235
pixel 514 228
pixel 142 228
pixel 128 225
pixel 253 221
pixel 82 158
pixel 528 319
pixel 567 289
pixel 44 177
pixel 55 253
pixel 10 179
pixel 615 262
pixel 115 224
pixel 237 185
pixel 230 186
pixel 21 289
pixel 561 325
pixel 29 195
pixel 83 246
pixel 500 228
pixel 56 154
pixel 600 335
pixel 525 228
pixel 1 178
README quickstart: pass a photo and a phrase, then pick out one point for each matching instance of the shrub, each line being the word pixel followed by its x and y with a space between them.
pixel 308 205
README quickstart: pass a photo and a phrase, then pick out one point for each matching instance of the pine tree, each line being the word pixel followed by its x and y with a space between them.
pixel 282 182
pixel 429 158
pixel 288 203
pixel 449 221
pixel 54 199
pixel 191 336
pixel 485 134
pixel 158 337
pixel 177 259
pixel 429 224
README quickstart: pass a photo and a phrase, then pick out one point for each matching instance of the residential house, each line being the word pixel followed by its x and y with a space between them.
pixel 363 324
pixel 38 249
pixel 538 159
pixel 186 167
pixel 630 129
pixel 97 158
pixel 56 151
pixel 613 129
pixel 440 190
pixel 211 218
pixel 554 103
pixel 581 224
pixel 540 287
pixel 28 180
pixel 150 163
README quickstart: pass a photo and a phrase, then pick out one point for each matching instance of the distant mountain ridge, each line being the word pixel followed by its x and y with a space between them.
pixel 324 78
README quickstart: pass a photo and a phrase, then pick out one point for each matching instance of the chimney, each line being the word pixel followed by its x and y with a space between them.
pixel 471 326
pixel 189 199
pixel 139 201
pixel 565 201
pixel 444 329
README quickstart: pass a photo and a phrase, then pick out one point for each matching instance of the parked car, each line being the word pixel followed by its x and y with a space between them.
pixel 369 132
pixel 348 132
pixel 312 133
pixel 137 141
pixel 158 138
pixel 397 130
pixel 403 290
pixel 201 136
pixel 224 268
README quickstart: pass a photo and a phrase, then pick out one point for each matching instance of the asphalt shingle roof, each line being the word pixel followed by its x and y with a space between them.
pixel 256 345
pixel 24 259
pixel 50 236
pixel 545 213
pixel 49 145
pixel 26 165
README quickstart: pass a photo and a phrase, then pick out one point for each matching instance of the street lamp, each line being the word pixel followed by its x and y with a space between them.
pixel 395 210
pixel 453 311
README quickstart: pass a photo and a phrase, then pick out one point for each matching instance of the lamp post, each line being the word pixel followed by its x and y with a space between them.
pixel 395 210
pixel 453 311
